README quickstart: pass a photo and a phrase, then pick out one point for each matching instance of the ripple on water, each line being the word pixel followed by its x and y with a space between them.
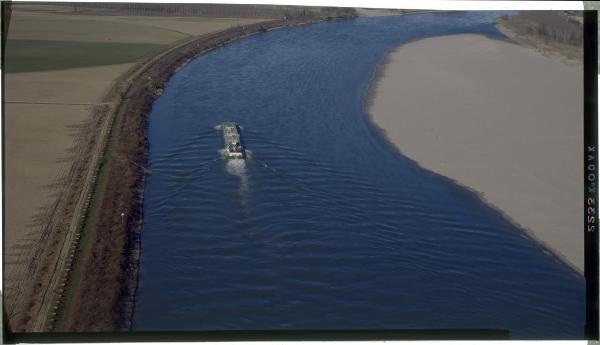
pixel 326 225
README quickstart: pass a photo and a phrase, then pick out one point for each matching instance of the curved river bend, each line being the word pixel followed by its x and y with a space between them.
pixel 326 226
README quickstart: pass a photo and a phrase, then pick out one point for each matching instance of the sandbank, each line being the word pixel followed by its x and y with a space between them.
pixel 501 119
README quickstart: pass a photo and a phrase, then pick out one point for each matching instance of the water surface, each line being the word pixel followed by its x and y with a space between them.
pixel 325 226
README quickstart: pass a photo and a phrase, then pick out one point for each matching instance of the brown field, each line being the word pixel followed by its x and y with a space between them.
pixel 115 28
pixel 496 117
pixel 69 27
pixel 190 25
pixel 78 85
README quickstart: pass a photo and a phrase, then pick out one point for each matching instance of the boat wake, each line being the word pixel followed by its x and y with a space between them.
pixel 237 167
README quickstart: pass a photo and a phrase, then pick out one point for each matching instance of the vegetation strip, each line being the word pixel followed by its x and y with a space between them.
pixel 550 33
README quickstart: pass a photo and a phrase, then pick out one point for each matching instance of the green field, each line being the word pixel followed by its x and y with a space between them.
pixel 44 55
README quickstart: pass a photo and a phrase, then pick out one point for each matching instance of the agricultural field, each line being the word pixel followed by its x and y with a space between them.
pixel 51 39
pixel 186 25
pixel 69 27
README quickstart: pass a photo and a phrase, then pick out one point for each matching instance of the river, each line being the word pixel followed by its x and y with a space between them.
pixel 325 225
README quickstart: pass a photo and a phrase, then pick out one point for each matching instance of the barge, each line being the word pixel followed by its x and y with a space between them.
pixel 232 138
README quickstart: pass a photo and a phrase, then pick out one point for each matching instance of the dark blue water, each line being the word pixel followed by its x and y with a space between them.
pixel 326 226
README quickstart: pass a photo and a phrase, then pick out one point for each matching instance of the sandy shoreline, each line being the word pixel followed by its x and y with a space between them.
pixel 498 118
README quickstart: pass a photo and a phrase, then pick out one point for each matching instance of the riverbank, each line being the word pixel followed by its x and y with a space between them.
pixel 498 118
pixel 104 295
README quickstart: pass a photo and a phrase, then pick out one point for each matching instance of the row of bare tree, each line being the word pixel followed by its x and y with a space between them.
pixel 556 26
